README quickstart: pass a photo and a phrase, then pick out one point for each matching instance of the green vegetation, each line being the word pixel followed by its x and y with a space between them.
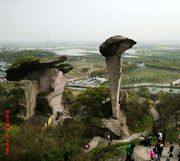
pixel 32 143
pixel 169 103
pixel 161 66
pixel 5 88
pixel 102 152
pixel 90 103
pixel 137 112
pixel 149 75
pixel 9 57
pixel 168 107
pixel 99 73
pixel 63 143
pixel 66 143
pixel 7 100
pixel 23 59
pixel 68 97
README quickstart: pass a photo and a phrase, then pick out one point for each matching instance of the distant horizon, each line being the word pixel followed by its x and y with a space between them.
pixel 84 20
pixel 85 41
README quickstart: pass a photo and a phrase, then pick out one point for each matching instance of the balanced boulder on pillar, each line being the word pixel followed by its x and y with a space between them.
pixel 112 49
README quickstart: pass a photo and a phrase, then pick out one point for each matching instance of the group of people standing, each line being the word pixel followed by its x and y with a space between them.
pixel 156 152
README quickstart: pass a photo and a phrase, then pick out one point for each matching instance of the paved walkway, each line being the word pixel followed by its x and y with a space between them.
pixel 130 138
pixel 95 141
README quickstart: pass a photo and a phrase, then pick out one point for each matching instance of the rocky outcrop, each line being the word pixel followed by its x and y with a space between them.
pixel 40 87
pixel 115 126
pixel 19 71
pixel 112 49
pixel 51 86
pixel 25 93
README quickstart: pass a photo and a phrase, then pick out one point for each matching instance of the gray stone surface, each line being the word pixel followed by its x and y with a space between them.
pixel 112 49
pixel 26 92
pixel 116 45
pixel 40 87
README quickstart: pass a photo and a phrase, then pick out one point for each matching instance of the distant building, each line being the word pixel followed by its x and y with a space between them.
pixel 141 65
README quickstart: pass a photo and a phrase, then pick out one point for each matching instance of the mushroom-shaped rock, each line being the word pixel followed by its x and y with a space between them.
pixel 112 49
pixel 19 71
pixel 116 45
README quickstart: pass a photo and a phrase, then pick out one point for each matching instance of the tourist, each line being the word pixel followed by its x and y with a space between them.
pixel 171 148
pixel 179 139
pixel 87 145
pixel 142 140
pixel 109 139
pixel 163 138
pixel 160 137
pixel 129 152
pixel 148 140
pixel 156 148
pixel 152 154
pixel 159 149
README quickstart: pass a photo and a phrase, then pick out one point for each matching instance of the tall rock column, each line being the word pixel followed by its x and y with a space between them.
pixel 112 49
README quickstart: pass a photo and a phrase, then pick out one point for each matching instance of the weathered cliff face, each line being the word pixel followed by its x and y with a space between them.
pixel 51 84
pixel 41 87
pixel 112 49
pixel 26 93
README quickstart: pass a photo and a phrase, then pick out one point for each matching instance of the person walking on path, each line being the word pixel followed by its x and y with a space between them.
pixel 109 139
pixel 129 152
pixel 179 139
pixel 152 154
pixel 171 148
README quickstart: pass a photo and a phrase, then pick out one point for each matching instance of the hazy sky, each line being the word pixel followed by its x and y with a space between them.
pixel 64 20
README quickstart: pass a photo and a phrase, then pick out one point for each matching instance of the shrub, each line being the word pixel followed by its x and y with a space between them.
pixel 90 103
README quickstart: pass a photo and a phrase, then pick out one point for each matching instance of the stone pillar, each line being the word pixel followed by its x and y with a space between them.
pixel 112 49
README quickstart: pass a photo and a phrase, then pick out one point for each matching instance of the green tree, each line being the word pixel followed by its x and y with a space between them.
pixel 90 103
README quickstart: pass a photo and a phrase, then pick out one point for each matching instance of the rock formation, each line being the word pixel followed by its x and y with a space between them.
pixel 25 93
pixel 40 87
pixel 112 49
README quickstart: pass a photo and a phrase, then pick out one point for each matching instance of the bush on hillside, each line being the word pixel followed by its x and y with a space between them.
pixel 90 103
pixel 138 116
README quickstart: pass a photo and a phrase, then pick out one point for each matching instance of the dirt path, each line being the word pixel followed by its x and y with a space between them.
pixel 154 113
pixel 130 138
pixel 95 141
pixel 175 152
